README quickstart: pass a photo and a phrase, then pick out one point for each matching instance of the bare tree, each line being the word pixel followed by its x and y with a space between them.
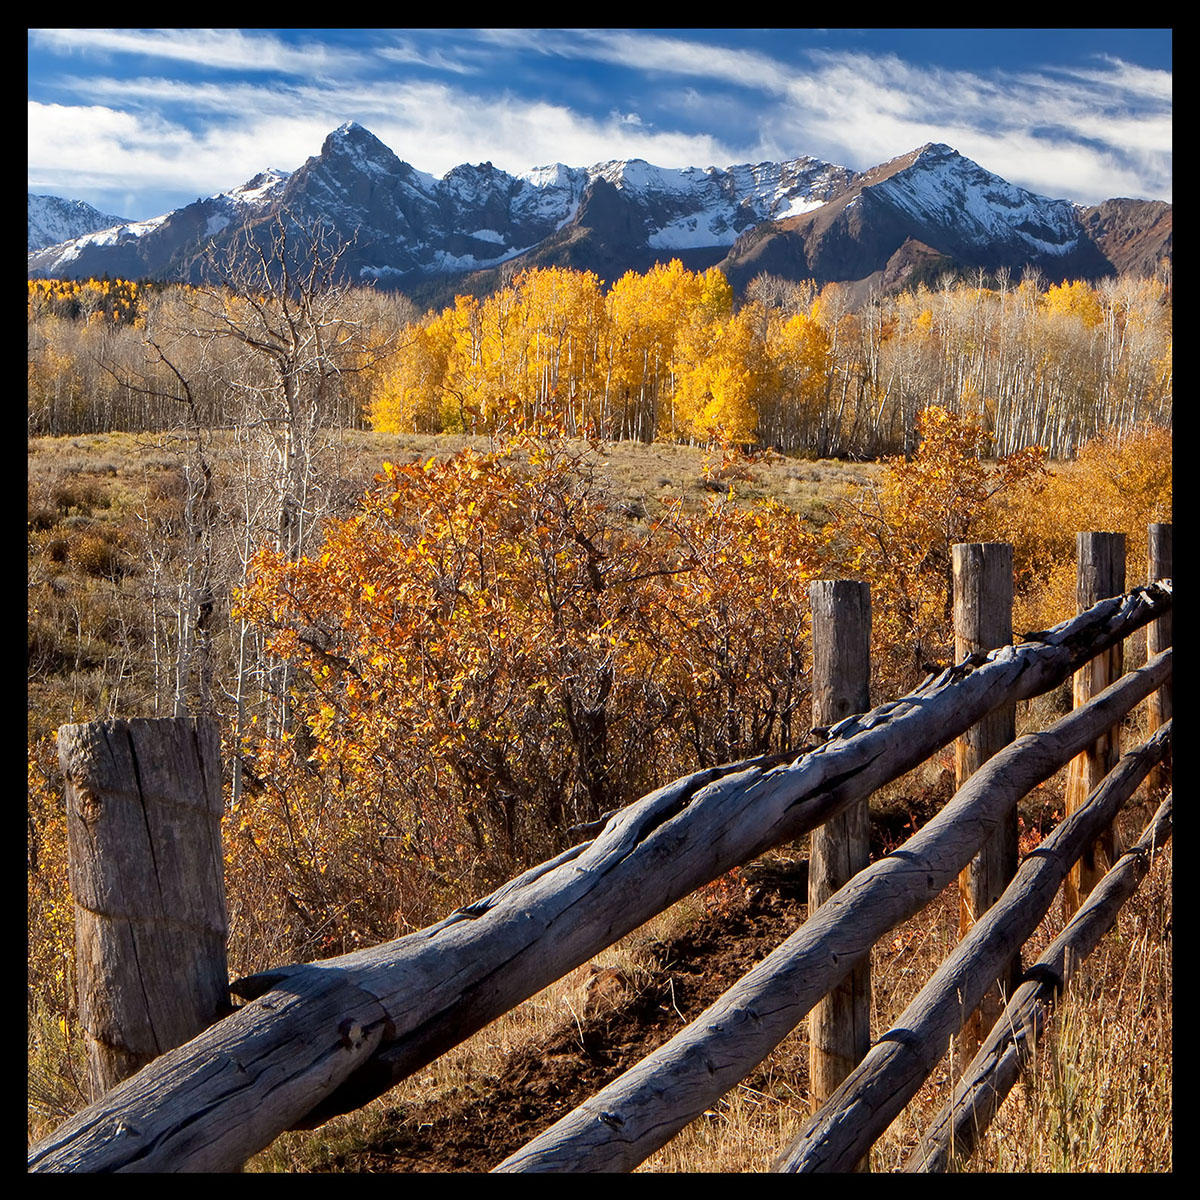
pixel 278 295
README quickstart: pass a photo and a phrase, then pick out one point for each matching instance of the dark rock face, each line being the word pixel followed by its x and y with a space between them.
pixel 1135 236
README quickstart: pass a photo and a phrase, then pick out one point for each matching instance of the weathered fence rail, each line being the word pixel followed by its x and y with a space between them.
pixel 897 1064
pixel 321 1038
pixel 995 1068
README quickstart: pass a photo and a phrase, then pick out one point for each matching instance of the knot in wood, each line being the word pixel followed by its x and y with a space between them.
pixel 351 1034
pixel 88 805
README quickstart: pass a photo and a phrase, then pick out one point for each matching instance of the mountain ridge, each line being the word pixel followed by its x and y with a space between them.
pixel 53 219
pixel 800 218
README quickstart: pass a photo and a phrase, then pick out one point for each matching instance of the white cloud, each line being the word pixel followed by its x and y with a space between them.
pixel 1137 83
pixel 655 54
pixel 404 50
pixel 228 49
pixel 74 150
pixel 436 128
pixel 430 125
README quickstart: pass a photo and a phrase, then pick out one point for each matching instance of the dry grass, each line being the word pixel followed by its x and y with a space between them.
pixel 1098 1097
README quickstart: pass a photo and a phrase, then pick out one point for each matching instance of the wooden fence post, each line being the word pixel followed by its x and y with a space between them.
pixel 1158 638
pixel 983 599
pixel 146 873
pixel 1100 574
pixel 840 1024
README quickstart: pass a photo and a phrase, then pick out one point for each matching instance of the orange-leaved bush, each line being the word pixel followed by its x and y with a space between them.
pixel 1118 483
pixel 898 535
pixel 490 652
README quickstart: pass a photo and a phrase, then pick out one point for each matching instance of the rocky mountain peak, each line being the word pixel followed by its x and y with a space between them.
pixel 352 145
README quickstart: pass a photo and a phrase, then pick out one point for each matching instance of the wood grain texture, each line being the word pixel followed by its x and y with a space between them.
pixel 839 1026
pixel 983 599
pixel 640 1111
pixel 1100 572
pixel 144 809
pixel 1158 638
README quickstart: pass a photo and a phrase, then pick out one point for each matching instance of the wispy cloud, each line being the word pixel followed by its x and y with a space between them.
pixel 225 49
pixel 408 53
pixel 97 147
pixel 1136 83
pixel 657 54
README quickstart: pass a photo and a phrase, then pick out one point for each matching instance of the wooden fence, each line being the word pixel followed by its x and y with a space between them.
pixel 313 1040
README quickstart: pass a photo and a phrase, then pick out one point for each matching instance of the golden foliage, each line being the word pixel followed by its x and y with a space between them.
pixel 487 653
pixel 899 535
pixel 1117 484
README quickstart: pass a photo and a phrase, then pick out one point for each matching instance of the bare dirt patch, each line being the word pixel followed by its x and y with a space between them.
pixel 487 1117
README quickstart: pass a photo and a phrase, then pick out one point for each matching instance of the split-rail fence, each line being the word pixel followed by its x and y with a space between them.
pixel 207 1087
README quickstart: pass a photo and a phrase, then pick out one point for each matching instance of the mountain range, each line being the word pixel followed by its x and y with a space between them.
pixel 925 212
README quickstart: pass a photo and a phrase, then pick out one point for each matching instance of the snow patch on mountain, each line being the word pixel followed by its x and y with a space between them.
pixel 53 220
pixel 795 208
pixel 57 259
pixel 943 186
pixel 692 208
pixel 220 211
pixel 261 190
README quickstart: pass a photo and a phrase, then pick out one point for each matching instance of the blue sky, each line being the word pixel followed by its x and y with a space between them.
pixel 140 121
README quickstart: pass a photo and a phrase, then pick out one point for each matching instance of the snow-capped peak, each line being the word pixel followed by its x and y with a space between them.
pixel 53 219
pixel 261 189
pixel 941 185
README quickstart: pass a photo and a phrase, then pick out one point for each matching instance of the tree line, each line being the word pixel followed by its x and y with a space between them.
pixel 667 354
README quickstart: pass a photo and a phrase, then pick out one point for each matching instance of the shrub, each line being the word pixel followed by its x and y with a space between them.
pixel 488 653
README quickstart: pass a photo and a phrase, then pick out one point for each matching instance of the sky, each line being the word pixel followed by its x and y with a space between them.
pixel 141 121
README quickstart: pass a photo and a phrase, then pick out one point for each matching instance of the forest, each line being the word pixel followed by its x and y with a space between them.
pixel 663 355
pixel 389 552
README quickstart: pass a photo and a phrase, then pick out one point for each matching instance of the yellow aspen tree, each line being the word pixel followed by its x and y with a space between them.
pixel 720 369
pixel 647 312
pixel 408 398
pixel 465 383
pixel 800 356
pixel 1075 299
pixel 565 317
